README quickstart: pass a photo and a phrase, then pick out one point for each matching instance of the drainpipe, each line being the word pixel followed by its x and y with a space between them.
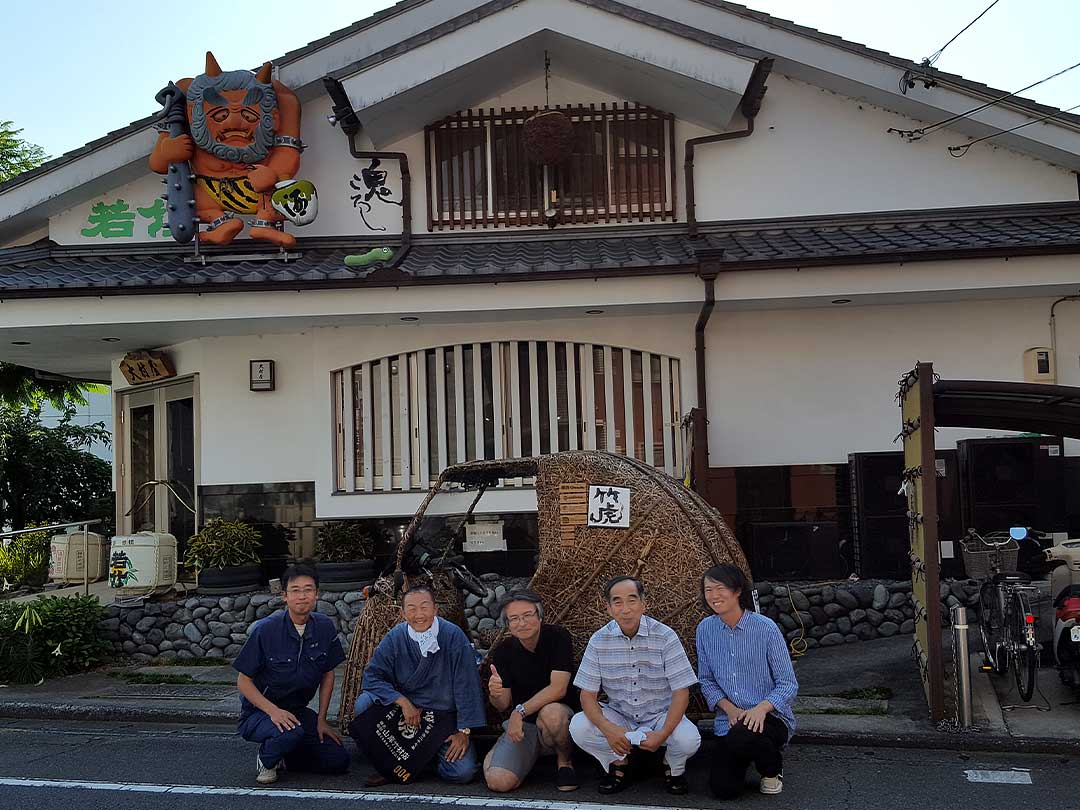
pixel 699 419
pixel 749 106
pixel 1053 328
pixel 345 116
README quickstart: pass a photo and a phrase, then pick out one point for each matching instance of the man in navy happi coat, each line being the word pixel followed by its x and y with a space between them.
pixel 427 663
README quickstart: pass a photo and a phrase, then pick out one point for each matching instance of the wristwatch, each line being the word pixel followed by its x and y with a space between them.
pixel 520 709
pixel 465 731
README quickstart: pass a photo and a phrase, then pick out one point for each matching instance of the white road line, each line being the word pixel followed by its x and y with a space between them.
pixel 348 796
pixel 1014 777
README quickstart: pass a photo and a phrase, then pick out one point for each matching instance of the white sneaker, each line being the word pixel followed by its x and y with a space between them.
pixel 772 784
pixel 264 775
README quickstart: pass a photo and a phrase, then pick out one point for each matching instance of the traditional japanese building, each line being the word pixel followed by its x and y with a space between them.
pixel 709 239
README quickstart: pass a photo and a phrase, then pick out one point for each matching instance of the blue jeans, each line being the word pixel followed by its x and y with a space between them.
pixel 300 747
pixel 458 773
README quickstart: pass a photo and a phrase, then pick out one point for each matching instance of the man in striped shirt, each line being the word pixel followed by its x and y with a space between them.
pixel 642 668
pixel 747 678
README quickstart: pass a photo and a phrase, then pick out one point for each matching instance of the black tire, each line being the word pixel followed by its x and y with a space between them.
pixel 226 581
pixel 991 628
pixel 1025 656
pixel 344 575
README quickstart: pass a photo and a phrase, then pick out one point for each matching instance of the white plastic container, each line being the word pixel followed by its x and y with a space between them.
pixel 141 563
pixel 67 562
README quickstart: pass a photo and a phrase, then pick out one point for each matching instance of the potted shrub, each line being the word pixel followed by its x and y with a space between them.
pixel 224 556
pixel 345 549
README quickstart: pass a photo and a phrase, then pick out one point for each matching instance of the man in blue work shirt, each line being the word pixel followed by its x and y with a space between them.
pixel 287 657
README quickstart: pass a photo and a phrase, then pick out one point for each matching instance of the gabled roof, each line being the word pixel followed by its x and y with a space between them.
pixel 975 88
pixel 45 269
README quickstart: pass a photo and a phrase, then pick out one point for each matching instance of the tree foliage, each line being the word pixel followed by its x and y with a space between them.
pixel 16 154
pixel 46 474
pixel 23 387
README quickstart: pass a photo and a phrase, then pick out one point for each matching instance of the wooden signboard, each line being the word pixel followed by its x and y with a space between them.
pixel 573 511
pixel 920 483
pixel 140 368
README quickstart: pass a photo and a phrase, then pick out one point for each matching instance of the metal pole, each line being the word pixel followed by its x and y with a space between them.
pixel 86 561
pixel 962 664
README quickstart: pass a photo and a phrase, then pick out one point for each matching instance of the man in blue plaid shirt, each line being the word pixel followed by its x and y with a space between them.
pixel 642 668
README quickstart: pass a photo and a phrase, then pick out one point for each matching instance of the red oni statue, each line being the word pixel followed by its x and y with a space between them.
pixel 243 147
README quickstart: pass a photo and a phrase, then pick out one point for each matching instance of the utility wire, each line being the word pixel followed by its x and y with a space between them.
pixel 929 61
pixel 916 134
pixel 960 151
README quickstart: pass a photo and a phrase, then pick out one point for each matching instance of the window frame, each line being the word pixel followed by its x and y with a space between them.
pixel 505 190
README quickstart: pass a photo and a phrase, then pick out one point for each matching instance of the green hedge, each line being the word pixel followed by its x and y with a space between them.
pixel 50 636
pixel 24 560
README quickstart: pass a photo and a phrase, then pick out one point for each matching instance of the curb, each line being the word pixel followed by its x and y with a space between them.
pixel 974 742
pixel 109 713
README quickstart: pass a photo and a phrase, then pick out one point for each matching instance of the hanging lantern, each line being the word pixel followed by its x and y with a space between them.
pixel 548 137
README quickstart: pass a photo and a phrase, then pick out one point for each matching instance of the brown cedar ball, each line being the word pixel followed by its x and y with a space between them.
pixel 549 137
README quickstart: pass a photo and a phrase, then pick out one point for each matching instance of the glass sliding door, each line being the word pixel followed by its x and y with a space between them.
pixel 157 442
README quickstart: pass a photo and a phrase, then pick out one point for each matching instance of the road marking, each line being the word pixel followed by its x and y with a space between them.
pixel 348 796
pixel 1014 777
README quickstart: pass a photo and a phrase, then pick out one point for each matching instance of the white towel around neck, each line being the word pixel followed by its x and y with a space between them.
pixel 428 641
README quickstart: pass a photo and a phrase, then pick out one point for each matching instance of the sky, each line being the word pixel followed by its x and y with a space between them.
pixel 74 71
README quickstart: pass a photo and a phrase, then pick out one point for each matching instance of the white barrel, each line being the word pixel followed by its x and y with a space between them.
pixel 139 563
pixel 67 563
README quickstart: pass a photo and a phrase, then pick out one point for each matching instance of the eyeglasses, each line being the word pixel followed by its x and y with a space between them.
pixel 308 591
pixel 513 621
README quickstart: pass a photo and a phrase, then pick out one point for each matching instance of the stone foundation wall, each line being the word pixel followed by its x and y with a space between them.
pixel 828 615
pixel 216 627
pixel 211 626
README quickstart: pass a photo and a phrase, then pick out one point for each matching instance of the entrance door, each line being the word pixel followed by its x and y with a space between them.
pixel 157 431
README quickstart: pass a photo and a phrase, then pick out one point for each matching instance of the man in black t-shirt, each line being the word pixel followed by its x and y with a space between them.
pixel 531 674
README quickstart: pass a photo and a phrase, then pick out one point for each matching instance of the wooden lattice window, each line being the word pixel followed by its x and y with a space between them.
pixel 622 169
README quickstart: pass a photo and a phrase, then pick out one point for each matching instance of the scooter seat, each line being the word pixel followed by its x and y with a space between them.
pixel 1011 576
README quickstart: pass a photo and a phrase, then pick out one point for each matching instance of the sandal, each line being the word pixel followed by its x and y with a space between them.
pixel 616 780
pixel 676 785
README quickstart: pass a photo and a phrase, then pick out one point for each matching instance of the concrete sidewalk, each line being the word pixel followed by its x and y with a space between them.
pixel 828 711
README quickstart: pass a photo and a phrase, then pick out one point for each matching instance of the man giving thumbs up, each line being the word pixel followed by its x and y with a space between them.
pixel 531 674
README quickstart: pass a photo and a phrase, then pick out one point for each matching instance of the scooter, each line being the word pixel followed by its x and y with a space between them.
pixel 1065 590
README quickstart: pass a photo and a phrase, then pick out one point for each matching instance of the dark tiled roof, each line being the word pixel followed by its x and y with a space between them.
pixel 47 269
pixel 610 5
pixel 922 235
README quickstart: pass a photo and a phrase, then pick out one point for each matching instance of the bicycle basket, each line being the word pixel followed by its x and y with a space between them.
pixel 980 558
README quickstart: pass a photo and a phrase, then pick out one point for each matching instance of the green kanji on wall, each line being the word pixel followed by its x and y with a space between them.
pixel 110 221
pixel 156 214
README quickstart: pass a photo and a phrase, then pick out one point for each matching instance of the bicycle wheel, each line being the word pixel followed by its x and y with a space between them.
pixel 1024 649
pixel 991 628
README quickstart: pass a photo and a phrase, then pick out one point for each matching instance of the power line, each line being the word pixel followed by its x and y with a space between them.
pixel 929 61
pixel 910 77
pixel 917 134
pixel 960 151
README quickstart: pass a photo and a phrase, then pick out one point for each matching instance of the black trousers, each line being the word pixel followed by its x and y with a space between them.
pixel 740 747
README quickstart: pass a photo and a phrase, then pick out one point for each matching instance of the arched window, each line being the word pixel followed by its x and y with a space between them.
pixel 400 420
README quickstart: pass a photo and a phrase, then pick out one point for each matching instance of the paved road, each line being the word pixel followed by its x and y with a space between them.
pixel 117 766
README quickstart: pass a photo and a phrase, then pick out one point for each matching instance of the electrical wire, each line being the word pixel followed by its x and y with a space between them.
pixel 960 151
pixel 916 134
pixel 929 61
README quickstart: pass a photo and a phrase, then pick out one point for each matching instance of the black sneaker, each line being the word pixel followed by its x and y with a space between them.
pixel 566 779
pixel 615 781
pixel 676 785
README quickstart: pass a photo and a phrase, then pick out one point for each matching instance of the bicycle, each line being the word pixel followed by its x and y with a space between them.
pixel 1006 623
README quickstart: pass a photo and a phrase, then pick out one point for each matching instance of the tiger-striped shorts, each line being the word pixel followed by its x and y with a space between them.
pixel 234 194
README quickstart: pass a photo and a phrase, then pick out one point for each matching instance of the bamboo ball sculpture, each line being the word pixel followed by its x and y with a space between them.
pixel 549 137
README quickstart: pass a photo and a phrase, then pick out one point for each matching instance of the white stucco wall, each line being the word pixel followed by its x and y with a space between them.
pixel 809 386
pixel 251 436
pixel 286 435
pixel 816 152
